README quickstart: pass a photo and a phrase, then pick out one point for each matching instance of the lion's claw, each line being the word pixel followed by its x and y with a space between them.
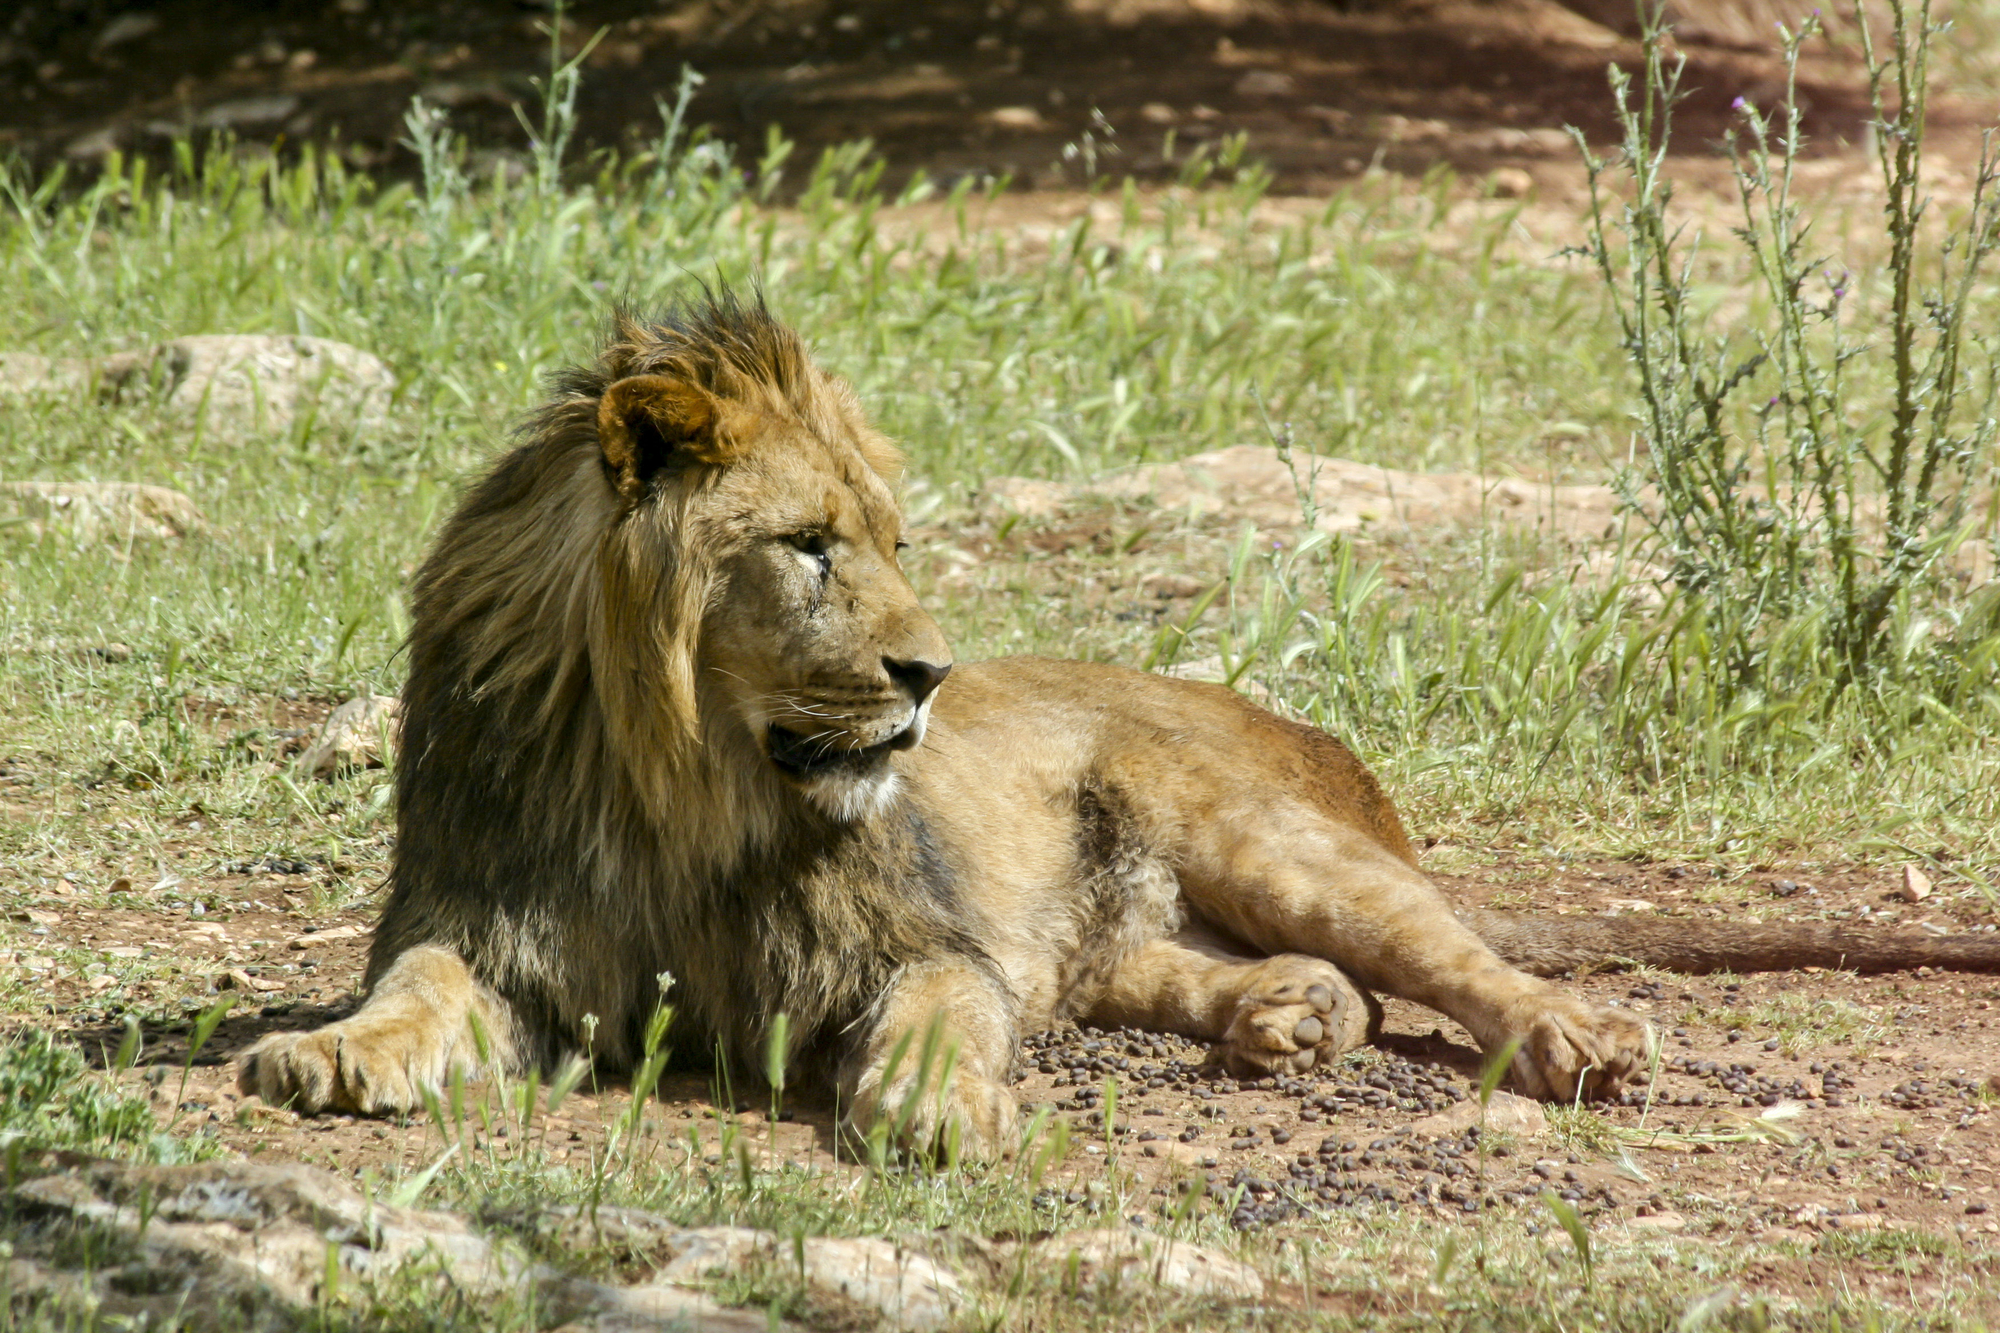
pixel 979 1113
pixel 1570 1048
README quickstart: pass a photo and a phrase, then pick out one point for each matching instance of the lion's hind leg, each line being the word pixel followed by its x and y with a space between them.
pixel 1291 880
pixel 426 1017
pixel 1263 1016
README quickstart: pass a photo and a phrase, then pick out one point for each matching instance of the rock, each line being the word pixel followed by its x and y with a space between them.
pixel 1266 83
pixel 253 380
pixel 233 1244
pixel 1028 497
pixel 233 1237
pixel 25 373
pixel 95 511
pixel 95 145
pixel 1916 885
pixel 361 733
pixel 237 979
pixel 1211 669
pixel 1172 586
pixel 242 111
pixel 1854 1221
pixel 1506 1113
pixel 1016 118
pixel 327 936
pixel 1511 183
pixel 699 1252
pixel 1250 483
pixel 909 1290
pixel 1114 1256
pixel 1509 139
pixel 238 382
pixel 126 27
pixel 1662 1221
pixel 658 1309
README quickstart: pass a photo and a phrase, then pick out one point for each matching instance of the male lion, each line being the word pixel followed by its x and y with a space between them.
pixel 672 707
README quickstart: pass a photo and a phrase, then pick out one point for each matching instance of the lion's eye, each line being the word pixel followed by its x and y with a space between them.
pixel 812 548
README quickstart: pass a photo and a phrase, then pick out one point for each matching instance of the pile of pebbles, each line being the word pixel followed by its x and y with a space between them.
pixel 1146 1062
pixel 1921 1094
pixel 1336 1172
pixel 1741 1084
pixel 1448 1173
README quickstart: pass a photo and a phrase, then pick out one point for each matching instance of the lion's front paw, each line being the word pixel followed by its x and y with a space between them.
pixel 971 1115
pixel 1570 1048
pixel 373 1070
pixel 1296 1012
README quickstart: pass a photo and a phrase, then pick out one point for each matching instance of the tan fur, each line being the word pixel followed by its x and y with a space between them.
pixel 673 709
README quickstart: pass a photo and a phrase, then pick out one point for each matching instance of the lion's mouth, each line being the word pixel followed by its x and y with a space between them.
pixel 805 756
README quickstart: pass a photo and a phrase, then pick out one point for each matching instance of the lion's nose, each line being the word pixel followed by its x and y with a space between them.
pixel 917 676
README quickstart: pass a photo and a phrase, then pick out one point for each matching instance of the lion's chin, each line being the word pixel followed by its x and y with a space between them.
pixel 847 784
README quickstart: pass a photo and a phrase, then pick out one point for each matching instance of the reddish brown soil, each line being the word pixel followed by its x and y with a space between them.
pixel 961 87
pixel 1895 1124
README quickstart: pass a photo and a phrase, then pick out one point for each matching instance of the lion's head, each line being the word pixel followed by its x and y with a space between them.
pixel 731 596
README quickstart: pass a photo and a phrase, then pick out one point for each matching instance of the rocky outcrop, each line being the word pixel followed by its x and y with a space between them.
pixel 94 511
pixel 234 383
pixel 1251 483
pixel 256 1246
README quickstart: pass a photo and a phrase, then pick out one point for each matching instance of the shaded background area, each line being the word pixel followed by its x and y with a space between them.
pixel 986 87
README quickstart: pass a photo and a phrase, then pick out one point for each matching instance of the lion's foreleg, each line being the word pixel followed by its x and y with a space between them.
pixel 1265 1016
pixel 426 1017
pixel 933 1062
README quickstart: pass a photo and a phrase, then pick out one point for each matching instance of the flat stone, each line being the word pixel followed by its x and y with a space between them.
pixel 1506 1113
pixel 699 1252
pixel 266 381
pixel 89 512
pixel 1251 483
pixel 361 733
pixel 1659 1222
pixel 656 1308
pixel 909 1290
pixel 226 1236
pixel 1115 1256
pixel 236 383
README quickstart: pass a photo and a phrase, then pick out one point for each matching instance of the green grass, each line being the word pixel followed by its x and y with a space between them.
pixel 1492 691
pixel 51 1100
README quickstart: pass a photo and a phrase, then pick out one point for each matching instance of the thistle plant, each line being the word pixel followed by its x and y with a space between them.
pixel 1816 465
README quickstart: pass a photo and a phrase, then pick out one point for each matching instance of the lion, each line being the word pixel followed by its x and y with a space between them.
pixel 673 710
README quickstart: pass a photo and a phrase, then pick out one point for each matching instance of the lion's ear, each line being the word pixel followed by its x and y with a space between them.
pixel 647 422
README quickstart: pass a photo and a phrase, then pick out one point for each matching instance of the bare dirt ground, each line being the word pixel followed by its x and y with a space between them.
pixel 1322 91
pixel 1785 1103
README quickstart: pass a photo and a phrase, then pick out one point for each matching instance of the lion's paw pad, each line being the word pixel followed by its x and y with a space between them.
pixel 1296 1012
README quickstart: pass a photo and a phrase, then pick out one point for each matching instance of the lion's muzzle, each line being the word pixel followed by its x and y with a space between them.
pixel 824 755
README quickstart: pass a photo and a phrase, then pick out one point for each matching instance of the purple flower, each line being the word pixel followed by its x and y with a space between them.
pixel 1739 105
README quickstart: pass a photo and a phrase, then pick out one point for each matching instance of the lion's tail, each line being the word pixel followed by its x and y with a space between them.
pixel 1551 945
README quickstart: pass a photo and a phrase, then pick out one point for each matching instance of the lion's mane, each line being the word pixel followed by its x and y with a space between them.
pixel 574 816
